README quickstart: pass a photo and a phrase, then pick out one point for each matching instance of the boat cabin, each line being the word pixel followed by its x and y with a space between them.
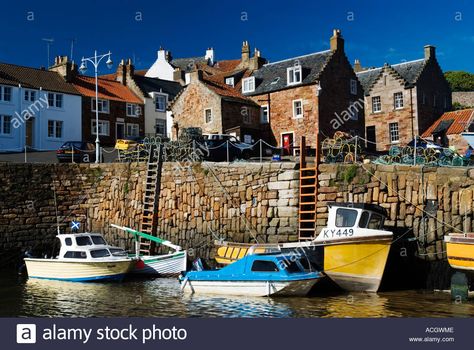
pixel 87 246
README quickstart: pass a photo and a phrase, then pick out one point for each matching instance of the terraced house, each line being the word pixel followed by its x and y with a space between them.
pixel 403 100
pixel 307 95
pixel 38 109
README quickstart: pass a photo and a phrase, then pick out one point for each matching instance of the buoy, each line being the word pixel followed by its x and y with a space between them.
pixel 459 287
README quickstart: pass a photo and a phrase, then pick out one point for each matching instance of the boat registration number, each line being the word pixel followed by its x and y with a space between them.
pixel 331 233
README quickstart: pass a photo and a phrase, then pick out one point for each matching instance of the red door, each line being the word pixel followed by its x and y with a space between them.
pixel 287 141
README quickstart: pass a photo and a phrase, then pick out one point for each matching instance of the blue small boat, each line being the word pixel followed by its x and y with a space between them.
pixel 255 275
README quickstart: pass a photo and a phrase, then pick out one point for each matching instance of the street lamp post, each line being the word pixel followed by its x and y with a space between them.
pixel 95 61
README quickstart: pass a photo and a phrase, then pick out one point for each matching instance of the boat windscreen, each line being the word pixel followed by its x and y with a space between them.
pixel 293 267
pixel 376 222
pixel 345 217
pixel 98 240
pixel 100 253
pixel 83 240
pixel 118 252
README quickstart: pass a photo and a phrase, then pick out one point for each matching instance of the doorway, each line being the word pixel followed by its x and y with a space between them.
pixel 29 141
pixel 120 130
pixel 371 139
pixel 287 143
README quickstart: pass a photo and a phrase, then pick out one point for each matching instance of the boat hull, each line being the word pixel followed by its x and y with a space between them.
pixel 460 252
pixel 78 271
pixel 357 266
pixel 251 288
pixel 162 265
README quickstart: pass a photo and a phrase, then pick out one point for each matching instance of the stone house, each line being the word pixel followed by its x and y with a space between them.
pixel 403 100
pixel 38 109
pixel 446 130
pixel 216 108
pixel 306 95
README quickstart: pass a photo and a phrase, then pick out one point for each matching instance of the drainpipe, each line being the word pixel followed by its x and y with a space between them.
pixel 412 114
pixel 24 124
pixel 39 120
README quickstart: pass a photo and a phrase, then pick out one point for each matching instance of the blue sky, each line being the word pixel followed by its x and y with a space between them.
pixel 375 31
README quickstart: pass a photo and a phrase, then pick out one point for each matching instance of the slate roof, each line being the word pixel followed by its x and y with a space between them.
pixel 273 76
pixel 187 64
pixel 408 71
pixel 34 78
pixel 108 89
pixel 458 122
pixel 148 85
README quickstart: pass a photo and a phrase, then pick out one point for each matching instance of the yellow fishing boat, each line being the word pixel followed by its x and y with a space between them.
pixel 460 251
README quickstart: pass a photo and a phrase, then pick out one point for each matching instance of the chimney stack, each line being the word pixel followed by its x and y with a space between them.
pixel 195 75
pixel 430 52
pixel 164 55
pixel 210 56
pixel 64 67
pixel 245 52
pixel 125 71
pixel 336 41
pixel 357 67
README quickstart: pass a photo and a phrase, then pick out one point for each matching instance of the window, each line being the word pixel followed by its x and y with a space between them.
pixel 364 219
pixel 434 100
pixel 246 116
pixel 5 93
pixel 160 103
pixel 68 241
pixel 100 253
pixel 118 252
pixel 133 130
pixel 230 81
pixel 264 116
pixel 133 110
pixel 98 240
pixel 424 98
pixel 354 110
pixel 55 100
pixel 55 129
pixel 353 87
pixel 208 115
pixel 103 128
pixel 103 105
pixel 345 217
pixel 376 104
pixel 298 109
pixel 160 127
pixel 264 266
pixel 293 267
pixel 294 75
pixel 75 255
pixel 398 100
pixel 376 222
pixel 30 95
pixel 5 124
pixel 248 85
pixel 83 240
pixel 393 131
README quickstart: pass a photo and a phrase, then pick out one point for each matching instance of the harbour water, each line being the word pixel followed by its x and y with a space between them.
pixel 20 297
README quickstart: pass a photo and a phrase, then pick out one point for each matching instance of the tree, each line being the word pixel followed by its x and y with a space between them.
pixel 460 80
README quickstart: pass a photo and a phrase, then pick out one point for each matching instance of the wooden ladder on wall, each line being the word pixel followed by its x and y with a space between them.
pixel 308 193
pixel 151 199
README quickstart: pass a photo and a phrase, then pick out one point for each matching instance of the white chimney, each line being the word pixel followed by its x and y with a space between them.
pixel 210 55
pixel 162 54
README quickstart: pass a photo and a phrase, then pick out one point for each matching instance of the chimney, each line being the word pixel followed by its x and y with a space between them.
pixel 164 55
pixel 430 52
pixel 336 41
pixel 195 75
pixel 256 62
pixel 357 67
pixel 210 56
pixel 125 72
pixel 245 51
pixel 64 67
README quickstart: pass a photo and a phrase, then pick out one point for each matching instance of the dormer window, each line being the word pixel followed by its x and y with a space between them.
pixel 248 85
pixel 294 75
pixel 229 81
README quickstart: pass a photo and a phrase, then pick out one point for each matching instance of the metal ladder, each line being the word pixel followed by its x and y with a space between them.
pixel 151 199
pixel 308 194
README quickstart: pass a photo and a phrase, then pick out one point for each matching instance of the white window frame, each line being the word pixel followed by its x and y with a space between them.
pixel 205 116
pixel 2 121
pixel 248 85
pixel 394 131
pixel 230 81
pixel 2 93
pixel 157 122
pixel 262 119
pixel 101 105
pixel 29 95
pixel 55 98
pixel 101 132
pixel 353 86
pixel 133 110
pixel 291 75
pixel 398 102
pixel 295 115
pixel 132 127
pixel 155 99
pixel 55 129
pixel 379 104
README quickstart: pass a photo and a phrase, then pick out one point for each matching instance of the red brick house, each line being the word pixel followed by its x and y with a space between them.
pixel 403 100
pixel 121 112
pixel 308 94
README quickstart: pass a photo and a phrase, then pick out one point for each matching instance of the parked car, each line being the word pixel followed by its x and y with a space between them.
pixel 215 147
pixel 79 151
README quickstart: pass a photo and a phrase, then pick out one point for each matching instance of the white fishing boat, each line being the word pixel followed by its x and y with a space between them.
pixel 171 264
pixel 82 257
